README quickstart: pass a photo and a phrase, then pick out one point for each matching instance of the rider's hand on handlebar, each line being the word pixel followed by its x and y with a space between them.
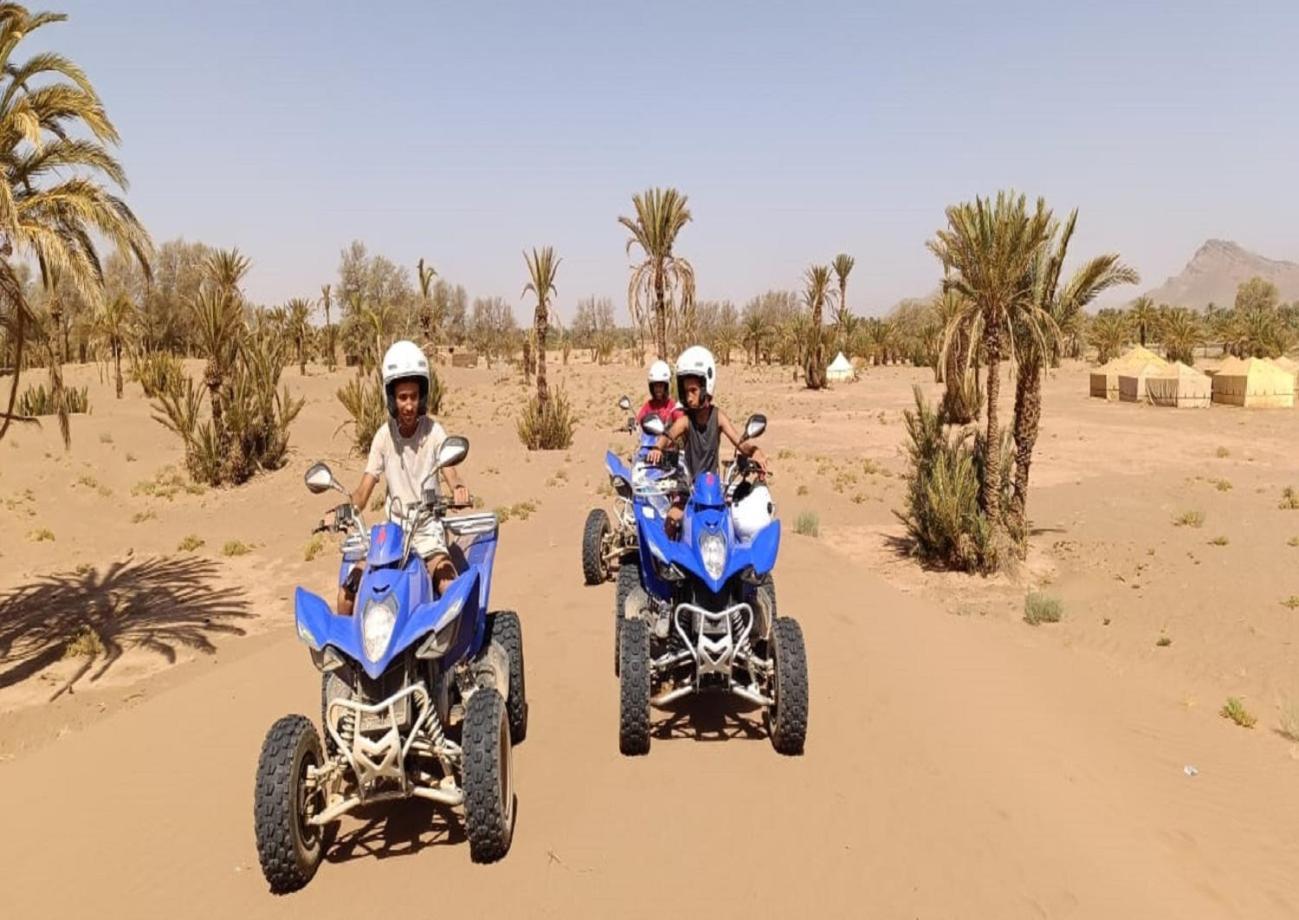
pixel 654 457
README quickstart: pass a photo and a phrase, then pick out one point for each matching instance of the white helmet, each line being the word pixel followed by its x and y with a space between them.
pixel 697 361
pixel 660 372
pixel 752 513
pixel 405 360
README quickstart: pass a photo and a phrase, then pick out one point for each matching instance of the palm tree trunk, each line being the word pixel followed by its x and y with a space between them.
pixel 660 317
pixel 990 492
pixel 539 333
pixel 1028 416
pixel 117 368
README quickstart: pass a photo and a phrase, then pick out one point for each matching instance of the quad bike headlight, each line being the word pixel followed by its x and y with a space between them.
pixel 712 547
pixel 377 623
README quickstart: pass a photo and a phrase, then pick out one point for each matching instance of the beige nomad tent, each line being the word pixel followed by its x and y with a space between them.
pixel 1105 379
pixel 1132 382
pixel 1253 383
pixel 1180 387
pixel 840 369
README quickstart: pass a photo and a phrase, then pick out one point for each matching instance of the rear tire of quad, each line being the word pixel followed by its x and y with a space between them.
pixel 628 581
pixel 595 570
pixel 504 627
pixel 288 848
pixel 787 717
pixel 488 777
pixel 634 688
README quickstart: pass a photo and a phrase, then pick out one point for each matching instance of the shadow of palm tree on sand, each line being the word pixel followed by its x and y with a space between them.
pixel 159 604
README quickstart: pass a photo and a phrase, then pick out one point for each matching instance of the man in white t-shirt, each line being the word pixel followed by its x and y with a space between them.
pixel 403 452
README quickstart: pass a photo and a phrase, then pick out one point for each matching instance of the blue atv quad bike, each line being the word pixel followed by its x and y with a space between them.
pixel 701 617
pixel 421 696
pixel 609 542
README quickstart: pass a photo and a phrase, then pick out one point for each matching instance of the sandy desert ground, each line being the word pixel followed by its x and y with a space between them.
pixel 960 763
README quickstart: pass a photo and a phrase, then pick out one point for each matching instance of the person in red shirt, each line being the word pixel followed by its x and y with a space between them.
pixel 660 402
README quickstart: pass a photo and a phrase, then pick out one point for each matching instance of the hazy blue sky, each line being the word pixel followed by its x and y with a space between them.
pixel 464 132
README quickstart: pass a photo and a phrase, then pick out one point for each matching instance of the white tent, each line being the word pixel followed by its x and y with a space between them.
pixel 1104 383
pixel 1180 387
pixel 1254 383
pixel 840 369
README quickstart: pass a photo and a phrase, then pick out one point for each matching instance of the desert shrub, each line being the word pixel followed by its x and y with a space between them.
pixel 1235 710
pixel 1289 499
pixel 157 373
pixel 254 434
pixel 190 543
pixel 364 401
pixel 549 425
pixel 944 522
pixel 1189 519
pixel 235 548
pixel 808 524
pixel 36 400
pixel 1042 608
pixel 315 546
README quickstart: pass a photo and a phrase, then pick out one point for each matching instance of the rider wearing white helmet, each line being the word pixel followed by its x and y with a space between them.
pixel 660 402
pixel 403 452
pixel 702 424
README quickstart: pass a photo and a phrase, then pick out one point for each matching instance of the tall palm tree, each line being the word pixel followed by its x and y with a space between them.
pixel 219 329
pixel 1144 317
pixel 327 301
pixel 426 274
pixel 225 271
pixel 754 333
pixel 297 319
pixel 542 267
pixel 663 284
pixel 55 201
pixel 843 265
pixel 1039 331
pixel 815 293
pixel 113 325
pixel 990 246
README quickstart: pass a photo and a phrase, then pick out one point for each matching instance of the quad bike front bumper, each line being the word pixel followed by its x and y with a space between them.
pixel 717 643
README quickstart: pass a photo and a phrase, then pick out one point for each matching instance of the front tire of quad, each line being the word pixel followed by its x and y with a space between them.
pixel 787 717
pixel 488 777
pixel 634 688
pixel 595 570
pixel 628 581
pixel 288 848
pixel 505 628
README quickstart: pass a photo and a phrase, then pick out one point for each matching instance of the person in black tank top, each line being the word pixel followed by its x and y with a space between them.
pixel 702 425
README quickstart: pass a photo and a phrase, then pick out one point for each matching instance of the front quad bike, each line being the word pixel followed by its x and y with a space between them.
pixel 422 697
pixel 608 543
pixel 703 617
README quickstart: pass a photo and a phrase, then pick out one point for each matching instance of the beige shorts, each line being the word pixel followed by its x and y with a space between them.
pixel 430 540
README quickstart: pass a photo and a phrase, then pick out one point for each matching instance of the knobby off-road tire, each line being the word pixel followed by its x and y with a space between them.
pixel 594 568
pixel 504 627
pixel 288 848
pixel 488 777
pixel 628 581
pixel 634 688
pixel 787 718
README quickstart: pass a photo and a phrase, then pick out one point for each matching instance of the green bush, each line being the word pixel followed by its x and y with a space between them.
pixel 549 425
pixel 364 401
pixel 944 522
pixel 157 373
pixel 1042 608
pixel 36 400
pixel 808 524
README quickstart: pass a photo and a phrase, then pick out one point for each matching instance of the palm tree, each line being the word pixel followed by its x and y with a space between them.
pixel 55 202
pixel 662 282
pixel 326 301
pixel 299 329
pixel 428 322
pixel 219 329
pixel 542 267
pixel 1039 332
pixel 843 265
pixel 113 324
pixel 1144 317
pixel 814 295
pixel 1109 331
pixel 225 270
pixel 990 246
pixel 754 333
pixel 1183 332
